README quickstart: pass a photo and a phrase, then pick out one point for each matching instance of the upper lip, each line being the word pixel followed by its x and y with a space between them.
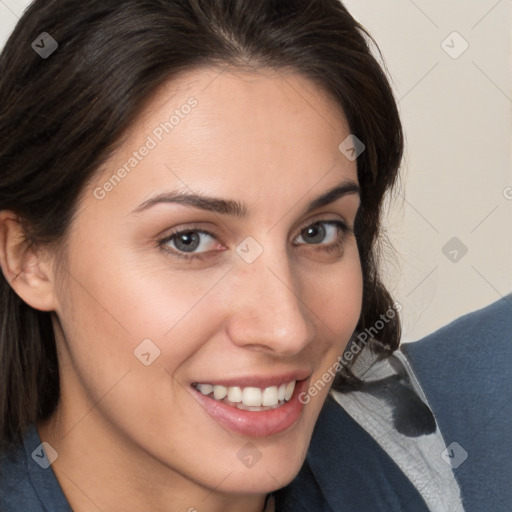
pixel 258 381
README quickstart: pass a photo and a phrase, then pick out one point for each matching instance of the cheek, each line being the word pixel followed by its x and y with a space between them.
pixel 129 298
pixel 127 331
pixel 336 298
pixel 128 328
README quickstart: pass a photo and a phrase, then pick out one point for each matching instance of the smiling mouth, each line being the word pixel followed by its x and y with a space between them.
pixel 248 398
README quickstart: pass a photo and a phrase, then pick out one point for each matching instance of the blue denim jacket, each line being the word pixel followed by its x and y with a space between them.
pixel 465 371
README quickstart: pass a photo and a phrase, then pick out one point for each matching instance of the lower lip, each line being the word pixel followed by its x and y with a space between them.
pixel 255 423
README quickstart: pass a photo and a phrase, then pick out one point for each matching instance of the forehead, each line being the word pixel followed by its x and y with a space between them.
pixel 232 132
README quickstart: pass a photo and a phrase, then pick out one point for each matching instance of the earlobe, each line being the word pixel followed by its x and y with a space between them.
pixel 26 267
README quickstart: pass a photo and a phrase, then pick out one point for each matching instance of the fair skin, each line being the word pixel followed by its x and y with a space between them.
pixel 133 437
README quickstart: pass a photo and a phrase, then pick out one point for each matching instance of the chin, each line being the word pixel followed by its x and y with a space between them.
pixel 263 480
pixel 278 464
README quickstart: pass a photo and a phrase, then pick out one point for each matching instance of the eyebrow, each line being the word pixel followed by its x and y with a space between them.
pixel 232 207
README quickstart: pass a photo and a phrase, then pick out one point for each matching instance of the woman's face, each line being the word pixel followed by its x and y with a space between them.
pixel 261 292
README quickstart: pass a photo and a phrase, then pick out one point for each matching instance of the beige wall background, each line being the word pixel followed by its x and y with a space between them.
pixel 456 106
pixel 450 224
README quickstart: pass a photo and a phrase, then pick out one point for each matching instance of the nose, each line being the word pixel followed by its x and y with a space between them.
pixel 268 311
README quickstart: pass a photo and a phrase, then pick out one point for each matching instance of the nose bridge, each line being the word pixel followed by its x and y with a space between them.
pixel 269 310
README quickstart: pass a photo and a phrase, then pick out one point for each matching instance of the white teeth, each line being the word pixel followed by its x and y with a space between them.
pixel 234 394
pixel 206 389
pixel 250 397
pixel 269 396
pixel 289 390
pixel 220 392
pixel 281 392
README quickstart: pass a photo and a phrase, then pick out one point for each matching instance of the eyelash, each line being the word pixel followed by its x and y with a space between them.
pixel 335 246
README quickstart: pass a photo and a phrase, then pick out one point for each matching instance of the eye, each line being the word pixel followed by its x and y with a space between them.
pixel 330 234
pixel 189 243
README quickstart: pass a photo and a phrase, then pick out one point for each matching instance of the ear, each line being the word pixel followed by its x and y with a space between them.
pixel 27 267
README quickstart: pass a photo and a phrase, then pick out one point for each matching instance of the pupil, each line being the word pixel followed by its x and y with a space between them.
pixel 320 233
pixel 187 241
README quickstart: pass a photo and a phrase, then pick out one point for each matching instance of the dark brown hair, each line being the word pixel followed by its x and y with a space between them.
pixel 62 116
